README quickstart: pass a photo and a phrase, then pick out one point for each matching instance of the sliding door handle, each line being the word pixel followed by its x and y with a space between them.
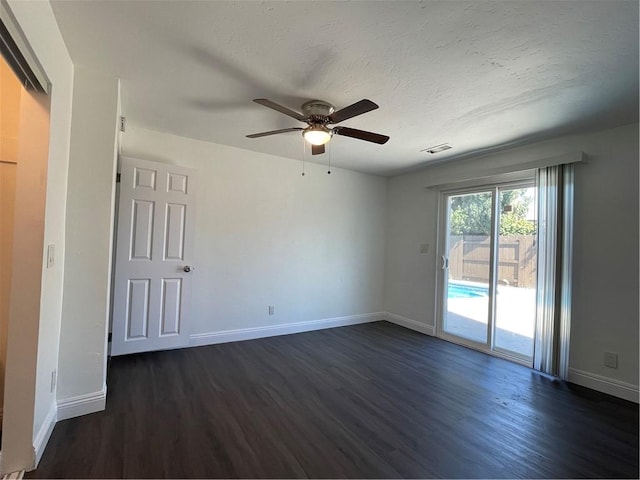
pixel 444 262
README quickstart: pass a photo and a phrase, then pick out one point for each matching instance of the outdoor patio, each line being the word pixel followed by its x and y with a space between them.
pixel 515 318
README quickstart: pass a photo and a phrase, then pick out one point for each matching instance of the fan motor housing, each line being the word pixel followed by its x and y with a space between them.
pixel 319 108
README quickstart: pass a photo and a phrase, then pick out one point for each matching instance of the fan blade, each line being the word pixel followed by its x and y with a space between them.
pixel 361 135
pixel 274 132
pixel 358 108
pixel 317 149
pixel 279 108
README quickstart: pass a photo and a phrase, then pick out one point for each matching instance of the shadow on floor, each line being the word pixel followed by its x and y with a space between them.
pixel 471 329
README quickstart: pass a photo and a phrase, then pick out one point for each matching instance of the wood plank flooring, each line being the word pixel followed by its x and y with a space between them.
pixel 367 401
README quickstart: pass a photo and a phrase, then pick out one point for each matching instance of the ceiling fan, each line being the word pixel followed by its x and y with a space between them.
pixel 318 114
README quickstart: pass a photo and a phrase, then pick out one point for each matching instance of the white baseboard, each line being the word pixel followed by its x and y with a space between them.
pixel 19 475
pixel 82 404
pixel 411 324
pixel 43 435
pixel 604 384
pixel 224 336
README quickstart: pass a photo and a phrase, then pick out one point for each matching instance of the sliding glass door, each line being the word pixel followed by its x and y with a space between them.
pixel 469 235
pixel 489 269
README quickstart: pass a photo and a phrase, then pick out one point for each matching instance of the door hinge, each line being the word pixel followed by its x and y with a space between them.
pixel 117 178
pixel 123 123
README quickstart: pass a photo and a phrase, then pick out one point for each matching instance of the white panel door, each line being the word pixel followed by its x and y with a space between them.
pixel 154 255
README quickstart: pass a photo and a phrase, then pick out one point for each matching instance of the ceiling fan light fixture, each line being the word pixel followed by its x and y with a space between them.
pixel 317 114
pixel 317 134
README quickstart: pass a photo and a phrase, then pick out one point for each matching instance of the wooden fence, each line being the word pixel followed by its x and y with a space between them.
pixel 469 257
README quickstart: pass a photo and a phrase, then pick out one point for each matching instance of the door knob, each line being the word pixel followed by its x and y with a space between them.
pixel 188 268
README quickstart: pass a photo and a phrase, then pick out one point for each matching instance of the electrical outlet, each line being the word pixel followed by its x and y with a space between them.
pixel 272 310
pixel 51 255
pixel 610 360
pixel 424 248
pixel 53 380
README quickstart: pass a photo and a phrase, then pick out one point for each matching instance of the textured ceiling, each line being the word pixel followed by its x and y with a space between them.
pixel 479 75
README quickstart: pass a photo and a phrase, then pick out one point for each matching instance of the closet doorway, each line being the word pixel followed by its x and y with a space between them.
pixel 10 92
pixel 24 155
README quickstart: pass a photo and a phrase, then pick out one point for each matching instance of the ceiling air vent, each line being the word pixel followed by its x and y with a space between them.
pixel 437 149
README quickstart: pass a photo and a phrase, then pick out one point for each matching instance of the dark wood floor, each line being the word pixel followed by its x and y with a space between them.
pixel 367 401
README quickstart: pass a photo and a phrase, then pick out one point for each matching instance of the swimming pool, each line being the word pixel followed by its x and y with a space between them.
pixel 459 290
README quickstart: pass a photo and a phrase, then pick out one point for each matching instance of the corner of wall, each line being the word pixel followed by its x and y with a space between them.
pixel 42 436
pixel 82 404
pixel 411 324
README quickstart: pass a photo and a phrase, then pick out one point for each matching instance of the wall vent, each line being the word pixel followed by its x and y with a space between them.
pixel 437 149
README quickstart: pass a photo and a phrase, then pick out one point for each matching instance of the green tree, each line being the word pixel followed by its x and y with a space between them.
pixel 471 213
pixel 511 224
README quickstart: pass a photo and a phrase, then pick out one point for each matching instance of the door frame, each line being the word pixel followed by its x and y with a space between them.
pixel 495 183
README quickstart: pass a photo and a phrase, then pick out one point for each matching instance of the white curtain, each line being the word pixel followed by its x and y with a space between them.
pixel 553 306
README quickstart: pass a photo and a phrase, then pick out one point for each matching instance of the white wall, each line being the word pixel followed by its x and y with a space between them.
pixel 41 30
pixel 605 276
pixel 312 246
pixel 89 221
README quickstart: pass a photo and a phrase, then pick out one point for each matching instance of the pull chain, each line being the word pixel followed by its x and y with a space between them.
pixel 304 154
pixel 330 148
